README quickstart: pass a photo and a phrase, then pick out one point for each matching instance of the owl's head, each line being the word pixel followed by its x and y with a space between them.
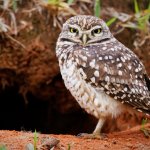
pixel 84 30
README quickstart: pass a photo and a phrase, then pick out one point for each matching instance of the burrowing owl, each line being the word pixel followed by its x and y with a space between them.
pixel 101 73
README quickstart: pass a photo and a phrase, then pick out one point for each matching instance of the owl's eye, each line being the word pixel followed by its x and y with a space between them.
pixel 96 31
pixel 73 30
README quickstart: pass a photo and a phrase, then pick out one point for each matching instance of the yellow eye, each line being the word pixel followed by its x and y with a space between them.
pixel 97 31
pixel 73 30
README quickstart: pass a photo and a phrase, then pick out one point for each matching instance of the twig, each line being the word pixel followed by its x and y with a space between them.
pixel 19 43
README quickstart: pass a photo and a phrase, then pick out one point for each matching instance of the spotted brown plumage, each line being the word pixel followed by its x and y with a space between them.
pixel 119 74
pixel 101 73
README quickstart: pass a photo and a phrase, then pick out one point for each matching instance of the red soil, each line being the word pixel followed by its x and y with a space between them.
pixel 125 140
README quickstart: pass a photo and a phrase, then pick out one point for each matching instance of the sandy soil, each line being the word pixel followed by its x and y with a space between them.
pixel 132 139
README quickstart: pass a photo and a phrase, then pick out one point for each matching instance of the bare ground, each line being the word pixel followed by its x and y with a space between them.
pixel 126 140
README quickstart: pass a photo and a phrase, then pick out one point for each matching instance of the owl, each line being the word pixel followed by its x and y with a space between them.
pixel 103 75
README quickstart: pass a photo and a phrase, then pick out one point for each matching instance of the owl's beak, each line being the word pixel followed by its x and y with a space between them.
pixel 84 39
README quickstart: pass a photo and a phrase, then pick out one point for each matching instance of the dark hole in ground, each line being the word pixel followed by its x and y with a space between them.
pixel 39 115
pixel 55 114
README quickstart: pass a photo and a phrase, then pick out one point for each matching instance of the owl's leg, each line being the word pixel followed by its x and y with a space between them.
pixel 99 126
pixel 97 132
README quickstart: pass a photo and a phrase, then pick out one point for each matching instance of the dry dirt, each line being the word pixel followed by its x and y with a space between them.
pixel 132 139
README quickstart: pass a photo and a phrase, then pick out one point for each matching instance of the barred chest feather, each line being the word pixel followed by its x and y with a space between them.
pixel 92 99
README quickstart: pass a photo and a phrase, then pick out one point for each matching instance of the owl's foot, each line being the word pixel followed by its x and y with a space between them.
pixel 96 133
pixel 92 136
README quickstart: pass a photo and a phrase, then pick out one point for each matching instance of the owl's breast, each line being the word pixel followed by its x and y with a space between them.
pixel 94 101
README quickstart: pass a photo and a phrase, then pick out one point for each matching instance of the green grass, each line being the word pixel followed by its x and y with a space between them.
pixel 97 8
pixel 14 5
pixel 111 21
pixel 3 147
pixel 136 7
pixel 144 121
pixel 140 19
pixel 144 130
pixel 69 147
pixel 35 140
pixel 10 4
pixel 97 12
pixel 33 146
pixel 70 2
pixel 60 5
pixel 54 2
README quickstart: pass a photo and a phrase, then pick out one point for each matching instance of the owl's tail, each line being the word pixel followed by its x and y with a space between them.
pixel 147 79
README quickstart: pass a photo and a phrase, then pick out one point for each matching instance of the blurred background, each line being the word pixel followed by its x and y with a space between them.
pixel 32 93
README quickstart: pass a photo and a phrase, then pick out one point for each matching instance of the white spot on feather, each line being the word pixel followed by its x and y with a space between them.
pixel 100 58
pixel 112 49
pixel 96 73
pixel 118 59
pixel 93 79
pixel 85 97
pixel 123 60
pixel 119 65
pixel 130 67
pixel 104 48
pixel 105 69
pixel 120 72
pixel 106 57
pixel 84 58
pixel 96 102
pixel 125 89
pixel 92 63
pixel 110 57
pixel 107 78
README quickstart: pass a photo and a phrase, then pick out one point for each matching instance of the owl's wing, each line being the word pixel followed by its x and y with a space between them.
pixel 116 71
